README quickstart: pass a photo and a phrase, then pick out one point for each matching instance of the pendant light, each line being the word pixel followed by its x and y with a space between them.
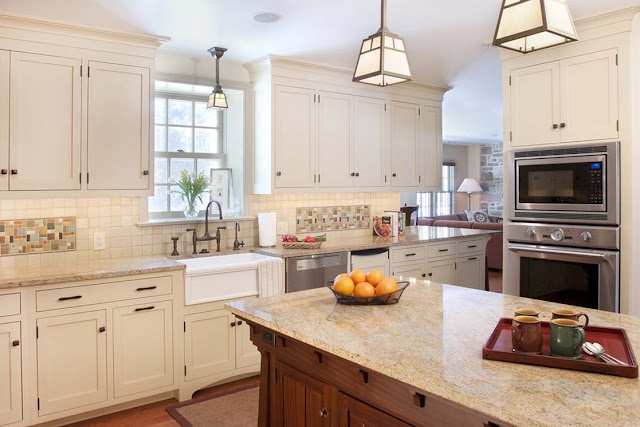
pixel 529 25
pixel 217 99
pixel 383 58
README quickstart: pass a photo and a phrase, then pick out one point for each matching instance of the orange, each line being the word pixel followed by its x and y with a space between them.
pixel 386 286
pixel 358 276
pixel 344 286
pixel 374 277
pixel 339 276
pixel 364 289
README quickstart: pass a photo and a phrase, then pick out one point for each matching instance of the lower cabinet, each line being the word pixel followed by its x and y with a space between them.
pixel 142 347
pixel 471 271
pixel 247 354
pixel 72 361
pixel 443 271
pixel 354 413
pixel 10 374
pixel 306 399
pixel 408 271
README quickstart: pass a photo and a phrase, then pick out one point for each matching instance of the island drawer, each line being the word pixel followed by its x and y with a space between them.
pixel 76 296
pixel 469 246
pixel 441 250
pixel 9 305
pixel 412 253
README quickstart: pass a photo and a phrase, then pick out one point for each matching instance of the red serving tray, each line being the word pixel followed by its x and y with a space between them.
pixel 614 340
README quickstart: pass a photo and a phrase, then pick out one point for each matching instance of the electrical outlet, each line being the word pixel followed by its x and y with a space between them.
pixel 282 228
pixel 99 242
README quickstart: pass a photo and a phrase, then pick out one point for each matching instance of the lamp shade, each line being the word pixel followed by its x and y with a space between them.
pixel 217 100
pixel 470 185
pixel 529 25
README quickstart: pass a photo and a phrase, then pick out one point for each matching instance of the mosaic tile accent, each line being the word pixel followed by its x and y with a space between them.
pixel 32 236
pixel 333 218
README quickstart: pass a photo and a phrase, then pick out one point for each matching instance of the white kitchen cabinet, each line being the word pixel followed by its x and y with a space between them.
pixel 535 105
pixel 405 145
pixel 431 148
pixel 4 119
pixel 11 374
pixel 45 122
pixel 335 138
pixel 142 347
pixel 589 96
pixel 442 271
pixel 295 137
pixel 471 271
pixel 72 361
pixel 209 344
pixel 369 147
pixel 247 353
pixel 406 271
pixel 118 127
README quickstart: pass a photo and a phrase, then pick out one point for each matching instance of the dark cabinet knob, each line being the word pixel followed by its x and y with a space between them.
pixel 14 171
pixel 145 172
pixel 555 126
pixel 239 322
pixel 102 329
pixel 278 173
pixel 353 174
pixel 4 171
pixel 430 274
pixel 15 343
pixel 563 125
pixel 324 412
pixel 424 274
pixel 233 324
pixel 394 175
pixel 357 173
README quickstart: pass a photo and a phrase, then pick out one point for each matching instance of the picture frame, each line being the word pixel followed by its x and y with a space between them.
pixel 221 186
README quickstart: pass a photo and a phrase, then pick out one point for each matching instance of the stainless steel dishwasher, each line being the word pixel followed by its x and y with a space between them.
pixel 314 271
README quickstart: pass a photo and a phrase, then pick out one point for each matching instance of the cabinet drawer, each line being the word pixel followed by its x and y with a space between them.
pixel 9 305
pixel 470 246
pixel 442 249
pixel 95 294
pixel 413 253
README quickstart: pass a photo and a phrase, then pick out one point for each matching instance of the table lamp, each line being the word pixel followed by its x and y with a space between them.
pixel 470 185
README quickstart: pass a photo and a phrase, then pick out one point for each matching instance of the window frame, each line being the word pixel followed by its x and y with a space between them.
pixel 433 197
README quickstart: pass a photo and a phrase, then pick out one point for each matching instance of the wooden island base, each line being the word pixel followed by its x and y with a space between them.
pixel 303 386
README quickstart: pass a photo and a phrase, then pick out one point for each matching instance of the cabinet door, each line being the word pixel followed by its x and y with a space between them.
pixel 335 136
pixel 535 105
pixel 301 400
pixel 118 127
pixel 470 272
pixel 11 374
pixel 442 271
pixel 431 148
pixel 295 133
pixel 405 144
pixel 45 122
pixel 354 413
pixel 72 361
pixel 369 147
pixel 409 271
pixel 247 353
pixel 4 120
pixel 142 348
pixel 209 344
pixel 589 96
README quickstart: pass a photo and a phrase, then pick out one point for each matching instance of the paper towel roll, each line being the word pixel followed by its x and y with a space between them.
pixel 267 229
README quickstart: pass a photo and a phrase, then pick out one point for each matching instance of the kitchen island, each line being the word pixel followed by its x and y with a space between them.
pixel 420 363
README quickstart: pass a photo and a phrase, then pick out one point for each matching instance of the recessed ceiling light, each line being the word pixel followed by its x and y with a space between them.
pixel 266 17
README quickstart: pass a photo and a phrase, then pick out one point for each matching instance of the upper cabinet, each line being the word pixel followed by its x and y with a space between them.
pixel 570 100
pixel 405 144
pixel 75 114
pixel 335 140
pixel 431 148
pixel 369 142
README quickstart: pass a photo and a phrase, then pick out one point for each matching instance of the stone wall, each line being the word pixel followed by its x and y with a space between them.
pixel 491 178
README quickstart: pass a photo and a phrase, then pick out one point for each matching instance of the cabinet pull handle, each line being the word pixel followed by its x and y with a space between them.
pixel 419 400
pixel 15 343
pixel 555 126
pixel 472 259
pixel 410 254
pixel 145 308
pixel 472 246
pixel 443 250
pixel 233 324
pixel 3 171
pixel 319 356
pixel 239 322
pixel 365 376
pixel 148 288
pixel 145 172
pixel 324 412
pixel 102 329
pixel 563 125
pixel 14 171
pixel 69 298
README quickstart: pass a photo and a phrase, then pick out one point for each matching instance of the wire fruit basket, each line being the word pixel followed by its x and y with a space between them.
pixel 301 245
pixel 386 299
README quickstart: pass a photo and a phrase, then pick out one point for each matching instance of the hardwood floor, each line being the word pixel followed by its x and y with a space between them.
pixel 156 414
pixel 495 281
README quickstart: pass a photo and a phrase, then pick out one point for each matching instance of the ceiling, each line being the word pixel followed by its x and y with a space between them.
pixel 446 40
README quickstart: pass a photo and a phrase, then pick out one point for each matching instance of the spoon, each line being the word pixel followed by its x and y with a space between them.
pixel 600 349
pixel 587 348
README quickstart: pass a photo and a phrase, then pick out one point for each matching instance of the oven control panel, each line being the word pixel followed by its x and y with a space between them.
pixel 565 235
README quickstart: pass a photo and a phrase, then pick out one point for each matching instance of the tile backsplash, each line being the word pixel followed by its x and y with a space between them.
pixel 40 235
pixel 332 218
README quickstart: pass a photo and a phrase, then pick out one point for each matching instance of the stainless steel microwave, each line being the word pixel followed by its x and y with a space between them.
pixel 575 184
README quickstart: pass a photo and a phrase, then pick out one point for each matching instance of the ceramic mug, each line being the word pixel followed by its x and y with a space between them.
pixel 564 313
pixel 566 338
pixel 526 312
pixel 526 334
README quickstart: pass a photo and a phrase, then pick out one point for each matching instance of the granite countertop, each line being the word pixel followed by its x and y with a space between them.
pixel 433 340
pixel 34 275
pixel 413 235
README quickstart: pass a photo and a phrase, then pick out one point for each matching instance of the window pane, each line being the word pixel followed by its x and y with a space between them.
pixel 180 112
pixel 178 165
pixel 180 139
pixel 206 117
pixel 161 170
pixel 161 138
pixel 177 204
pixel 161 110
pixel 205 165
pixel 207 141
pixel 158 202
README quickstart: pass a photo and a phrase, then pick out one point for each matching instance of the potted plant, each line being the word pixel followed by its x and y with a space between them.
pixel 192 186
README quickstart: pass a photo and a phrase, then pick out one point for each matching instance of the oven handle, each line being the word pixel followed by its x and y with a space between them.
pixel 539 249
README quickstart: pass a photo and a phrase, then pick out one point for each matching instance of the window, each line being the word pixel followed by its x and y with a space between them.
pixel 436 203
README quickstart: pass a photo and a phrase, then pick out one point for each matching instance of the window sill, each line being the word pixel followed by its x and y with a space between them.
pixel 183 221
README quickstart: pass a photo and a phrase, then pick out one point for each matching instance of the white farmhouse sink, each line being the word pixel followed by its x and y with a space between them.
pixel 223 277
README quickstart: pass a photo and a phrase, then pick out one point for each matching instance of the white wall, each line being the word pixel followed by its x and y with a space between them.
pixel 467 160
pixel 197 70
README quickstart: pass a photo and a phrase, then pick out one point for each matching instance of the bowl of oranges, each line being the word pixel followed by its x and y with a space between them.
pixel 372 288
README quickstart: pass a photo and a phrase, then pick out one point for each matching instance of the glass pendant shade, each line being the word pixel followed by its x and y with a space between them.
pixel 217 99
pixel 383 58
pixel 529 25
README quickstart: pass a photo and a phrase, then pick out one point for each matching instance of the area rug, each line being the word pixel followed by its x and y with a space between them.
pixel 226 409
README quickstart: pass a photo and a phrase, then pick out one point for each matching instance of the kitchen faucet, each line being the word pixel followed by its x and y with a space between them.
pixel 206 237
pixel 236 243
